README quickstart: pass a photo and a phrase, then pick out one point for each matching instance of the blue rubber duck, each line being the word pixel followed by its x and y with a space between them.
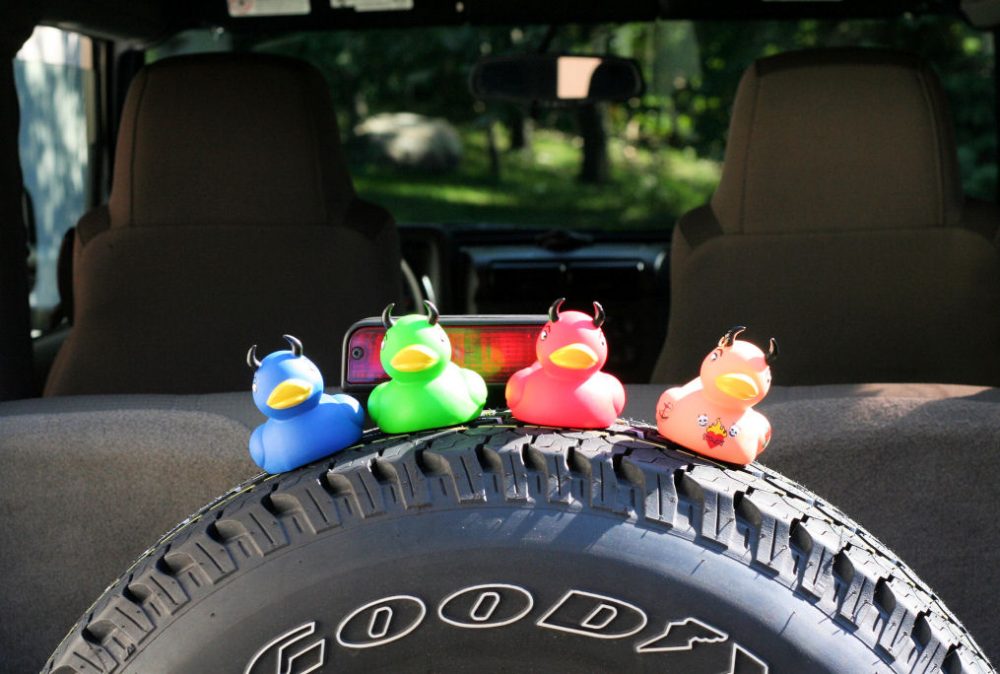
pixel 304 423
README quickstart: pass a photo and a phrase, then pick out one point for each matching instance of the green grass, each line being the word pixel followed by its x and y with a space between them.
pixel 539 187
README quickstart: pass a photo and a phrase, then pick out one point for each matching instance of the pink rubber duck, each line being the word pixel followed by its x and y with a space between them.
pixel 565 386
pixel 713 414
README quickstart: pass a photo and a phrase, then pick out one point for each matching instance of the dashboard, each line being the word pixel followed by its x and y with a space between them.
pixel 486 271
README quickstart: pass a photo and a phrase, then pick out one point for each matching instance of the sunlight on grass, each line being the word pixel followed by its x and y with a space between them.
pixel 449 193
pixel 538 187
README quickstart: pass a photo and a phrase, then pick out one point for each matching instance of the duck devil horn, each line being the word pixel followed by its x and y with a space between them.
pixel 729 337
pixel 433 315
pixel 295 344
pixel 252 361
pixel 554 309
pixel 772 352
pixel 598 315
pixel 387 320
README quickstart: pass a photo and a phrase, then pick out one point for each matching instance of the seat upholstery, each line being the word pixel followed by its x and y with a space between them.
pixel 232 220
pixel 839 227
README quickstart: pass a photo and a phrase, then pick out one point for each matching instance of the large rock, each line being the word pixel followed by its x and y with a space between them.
pixel 409 140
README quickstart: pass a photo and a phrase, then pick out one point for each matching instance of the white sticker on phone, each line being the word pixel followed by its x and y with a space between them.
pixel 373 5
pixel 242 8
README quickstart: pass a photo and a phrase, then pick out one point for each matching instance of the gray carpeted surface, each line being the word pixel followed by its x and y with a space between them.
pixel 921 474
pixel 84 493
pixel 89 482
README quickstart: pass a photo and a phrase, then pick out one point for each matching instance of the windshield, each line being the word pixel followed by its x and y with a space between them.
pixel 423 147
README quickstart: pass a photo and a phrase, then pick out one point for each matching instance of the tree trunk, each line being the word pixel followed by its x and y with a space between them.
pixel 595 144
pixel 520 130
pixel 494 152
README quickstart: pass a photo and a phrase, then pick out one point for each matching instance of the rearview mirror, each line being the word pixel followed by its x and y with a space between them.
pixel 556 79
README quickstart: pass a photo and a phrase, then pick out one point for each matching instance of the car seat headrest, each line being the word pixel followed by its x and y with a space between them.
pixel 241 139
pixel 838 139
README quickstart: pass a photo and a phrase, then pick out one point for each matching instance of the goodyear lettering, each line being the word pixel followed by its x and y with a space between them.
pixel 583 614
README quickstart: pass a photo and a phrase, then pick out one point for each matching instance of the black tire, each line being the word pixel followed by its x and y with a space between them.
pixel 571 551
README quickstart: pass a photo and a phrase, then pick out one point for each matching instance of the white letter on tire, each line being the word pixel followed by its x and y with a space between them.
pixel 594 615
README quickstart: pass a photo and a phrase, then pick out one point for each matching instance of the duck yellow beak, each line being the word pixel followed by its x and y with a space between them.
pixel 414 358
pixel 737 385
pixel 289 393
pixel 574 357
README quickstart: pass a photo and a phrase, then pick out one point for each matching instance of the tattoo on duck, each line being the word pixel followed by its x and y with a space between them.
pixel 715 434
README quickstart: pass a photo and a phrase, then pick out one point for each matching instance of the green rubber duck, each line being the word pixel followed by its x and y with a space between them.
pixel 427 390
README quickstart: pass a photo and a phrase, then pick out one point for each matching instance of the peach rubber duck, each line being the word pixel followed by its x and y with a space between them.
pixel 713 414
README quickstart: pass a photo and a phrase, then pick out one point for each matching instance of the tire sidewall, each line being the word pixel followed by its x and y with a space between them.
pixel 546 552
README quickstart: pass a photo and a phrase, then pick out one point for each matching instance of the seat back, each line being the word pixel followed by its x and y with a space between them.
pixel 839 227
pixel 232 220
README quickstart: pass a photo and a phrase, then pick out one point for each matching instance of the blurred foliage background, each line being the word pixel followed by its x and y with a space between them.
pixel 632 165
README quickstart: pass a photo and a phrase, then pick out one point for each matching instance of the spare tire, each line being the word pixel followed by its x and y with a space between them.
pixel 500 546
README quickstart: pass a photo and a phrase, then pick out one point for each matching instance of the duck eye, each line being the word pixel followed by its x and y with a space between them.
pixel 253 387
pixel 544 335
pixel 715 354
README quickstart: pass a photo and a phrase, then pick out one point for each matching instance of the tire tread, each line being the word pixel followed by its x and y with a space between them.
pixel 750 514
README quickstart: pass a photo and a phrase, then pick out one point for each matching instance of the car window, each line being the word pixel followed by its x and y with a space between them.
pixel 55 82
pixel 420 145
